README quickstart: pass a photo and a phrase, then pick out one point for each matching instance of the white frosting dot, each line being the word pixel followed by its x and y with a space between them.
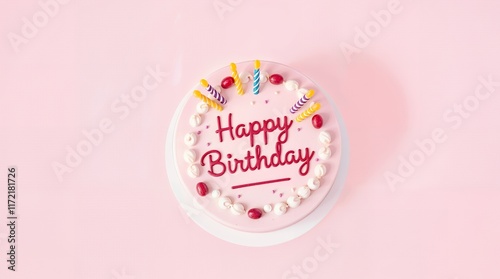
pixel 324 152
pixel 313 183
pixel 325 137
pixel 195 120
pixel 202 108
pixel 280 208
pixel 319 170
pixel 291 85
pixel 215 193
pixel 245 77
pixel 304 192
pixel 189 156
pixel 224 202
pixel 193 171
pixel 268 208
pixel 263 77
pixel 190 139
pixel 237 209
pixel 293 201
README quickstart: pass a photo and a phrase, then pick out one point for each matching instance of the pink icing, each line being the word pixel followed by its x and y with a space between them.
pixel 250 142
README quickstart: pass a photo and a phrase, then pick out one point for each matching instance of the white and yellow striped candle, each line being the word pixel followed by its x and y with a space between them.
pixel 237 80
pixel 206 100
pixel 314 108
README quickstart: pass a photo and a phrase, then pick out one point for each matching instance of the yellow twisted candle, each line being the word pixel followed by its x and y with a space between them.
pixel 237 81
pixel 308 112
pixel 206 100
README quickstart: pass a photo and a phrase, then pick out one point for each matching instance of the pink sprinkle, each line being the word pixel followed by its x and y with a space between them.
pixel 299 129
pixel 267 101
pixel 207 127
pixel 239 196
pixel 317 159
pixel 281 195
pixel 199 132
pixel 274 191
pixel 208 144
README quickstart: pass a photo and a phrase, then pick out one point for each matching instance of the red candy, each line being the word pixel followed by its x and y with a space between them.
pixel 276 79
pixel 227 82
pixel 317 121
pixel 254 213
pixel 202 189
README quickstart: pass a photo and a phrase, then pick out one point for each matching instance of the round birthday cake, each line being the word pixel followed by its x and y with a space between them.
pixel 257 145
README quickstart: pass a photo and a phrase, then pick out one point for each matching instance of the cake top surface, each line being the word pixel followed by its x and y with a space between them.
pixel 249 152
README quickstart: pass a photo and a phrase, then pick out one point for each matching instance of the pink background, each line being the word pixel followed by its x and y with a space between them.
pixel 114 215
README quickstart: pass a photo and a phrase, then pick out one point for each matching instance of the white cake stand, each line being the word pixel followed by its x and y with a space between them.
pixel 196 213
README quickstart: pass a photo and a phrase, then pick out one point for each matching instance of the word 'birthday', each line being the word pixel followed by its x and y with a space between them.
pixel 255 160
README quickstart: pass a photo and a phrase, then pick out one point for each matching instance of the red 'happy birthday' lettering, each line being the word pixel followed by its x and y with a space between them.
pixel 254 159
pixel 254 128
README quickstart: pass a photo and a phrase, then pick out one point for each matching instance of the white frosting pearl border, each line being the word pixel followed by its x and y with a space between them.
pixel 280 208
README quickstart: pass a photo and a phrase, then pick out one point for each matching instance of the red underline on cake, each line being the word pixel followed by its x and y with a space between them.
pixel 260 183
